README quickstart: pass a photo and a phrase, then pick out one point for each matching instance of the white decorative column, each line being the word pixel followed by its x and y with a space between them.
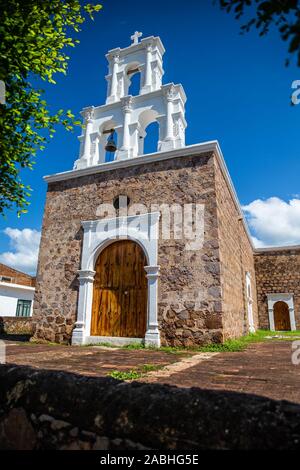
pixel 114 80
pixel 125 150
pixel 168 143
pixel 95 149
pixel 292 318
pixel 170 97
pixel 147 88
pixel 86 280
pixel 152 337
pixel 88 114
pixel 249 303
pixel 138 134
pixel 271 319
pixel 250 316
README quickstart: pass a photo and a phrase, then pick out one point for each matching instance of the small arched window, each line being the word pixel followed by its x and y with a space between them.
pixel 121 202
pixel 133 80
pixel 151 139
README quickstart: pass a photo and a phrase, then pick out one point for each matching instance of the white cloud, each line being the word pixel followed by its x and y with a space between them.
pixel 258 243
pixel 24 249
pixel 274 222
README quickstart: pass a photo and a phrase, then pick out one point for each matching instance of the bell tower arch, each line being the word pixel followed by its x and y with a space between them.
pixel 129 115
pixel 144 57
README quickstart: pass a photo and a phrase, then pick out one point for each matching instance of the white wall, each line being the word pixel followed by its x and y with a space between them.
pixel 9 295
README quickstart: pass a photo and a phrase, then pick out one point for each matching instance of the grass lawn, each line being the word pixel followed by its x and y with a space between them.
pixel 230 345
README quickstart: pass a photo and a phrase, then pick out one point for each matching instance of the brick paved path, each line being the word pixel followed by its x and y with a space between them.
pixel 263 369
pixel 92 361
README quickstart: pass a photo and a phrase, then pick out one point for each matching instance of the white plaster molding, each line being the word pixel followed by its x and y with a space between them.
pixel 249 303
pixel 17 286
pixel 152 272
pixel 86 279
pixel 278 297
pixel 152 337
pixel 137 111
pixel 114 340
pixel 190 150
pixel 98 234
pixel 88 113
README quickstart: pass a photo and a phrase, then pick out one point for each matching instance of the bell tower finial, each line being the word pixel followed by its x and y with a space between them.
pixel 135 37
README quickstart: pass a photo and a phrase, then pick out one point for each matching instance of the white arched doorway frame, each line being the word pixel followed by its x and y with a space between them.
pixel 289 300
pixel 98 234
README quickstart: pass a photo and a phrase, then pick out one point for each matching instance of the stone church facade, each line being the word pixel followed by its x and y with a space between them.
pixel 106 276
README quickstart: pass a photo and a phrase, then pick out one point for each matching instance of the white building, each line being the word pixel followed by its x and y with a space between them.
pixel 16 293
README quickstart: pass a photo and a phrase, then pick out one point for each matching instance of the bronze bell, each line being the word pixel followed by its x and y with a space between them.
pixel 111 144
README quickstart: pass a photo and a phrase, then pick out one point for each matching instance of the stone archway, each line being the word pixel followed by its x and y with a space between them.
pixel 119 306
pixel 143 230
pixel 281 316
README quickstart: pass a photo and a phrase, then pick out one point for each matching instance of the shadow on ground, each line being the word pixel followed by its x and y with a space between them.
pixel 23 338
pixel 42 409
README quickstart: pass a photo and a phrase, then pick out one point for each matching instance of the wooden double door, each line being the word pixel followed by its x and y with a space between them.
pixel 120 291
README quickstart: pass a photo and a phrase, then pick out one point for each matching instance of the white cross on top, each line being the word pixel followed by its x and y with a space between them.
pixel 135 37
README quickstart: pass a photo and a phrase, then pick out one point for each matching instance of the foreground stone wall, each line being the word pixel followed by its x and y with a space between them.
pixel 189 292
pixel 236 256
pixel 16 326
pixel 277 272
pixel 57 410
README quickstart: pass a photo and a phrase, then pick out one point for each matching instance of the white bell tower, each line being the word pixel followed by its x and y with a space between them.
pixel 129 116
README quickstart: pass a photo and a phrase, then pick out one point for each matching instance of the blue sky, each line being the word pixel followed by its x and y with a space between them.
pixel 238 91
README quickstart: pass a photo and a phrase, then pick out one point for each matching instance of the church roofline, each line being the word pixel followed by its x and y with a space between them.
pixel 268 249
pixel 189 150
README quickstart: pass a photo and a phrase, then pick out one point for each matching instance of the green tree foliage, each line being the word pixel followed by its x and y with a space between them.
pixel 283 14
pixel 34 35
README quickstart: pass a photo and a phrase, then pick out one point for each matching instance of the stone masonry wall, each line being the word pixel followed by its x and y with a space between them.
pixel 277 271
pixel 236 255
pixel 16 326
pixel 135 416
pixel 189 285
pixel 17 276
